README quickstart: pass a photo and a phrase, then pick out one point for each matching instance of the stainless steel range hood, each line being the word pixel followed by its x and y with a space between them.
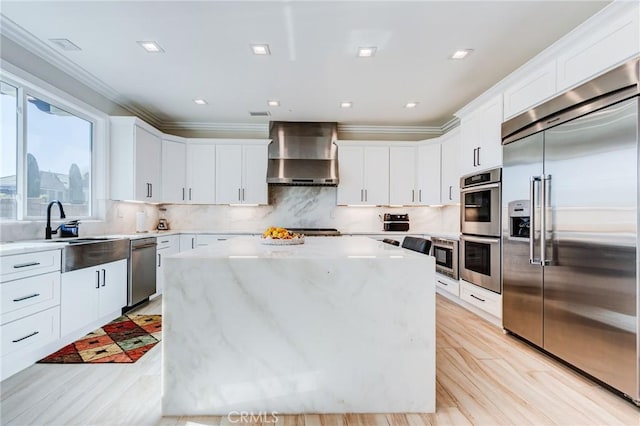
pixel 303 153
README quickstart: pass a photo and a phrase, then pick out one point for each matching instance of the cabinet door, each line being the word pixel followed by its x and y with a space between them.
pixel 187 242
pixel 174 161
pixel 402 175
pixel 229 174
pixel 490 151
pixel 530 90
pixel 113 287
pixel 78 299
pixel 376 175
pixel 148 165
pixel 351 174
pixel 470 141
pixel 450 192
pixel 202 174
pixel 254 170
pixel 428 192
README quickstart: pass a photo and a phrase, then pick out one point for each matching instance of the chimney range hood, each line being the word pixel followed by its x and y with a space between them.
pixel 303 153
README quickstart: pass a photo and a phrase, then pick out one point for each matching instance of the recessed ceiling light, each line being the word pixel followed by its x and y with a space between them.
pixel 260 49
pixel 366 52
pixel 411 104
pixel 273 103
pixel 151 46
pixel 461 54
pixel 346 104
pixel 200 101
pixel 64 44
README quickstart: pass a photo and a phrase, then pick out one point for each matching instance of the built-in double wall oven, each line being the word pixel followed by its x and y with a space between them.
pixel 480 225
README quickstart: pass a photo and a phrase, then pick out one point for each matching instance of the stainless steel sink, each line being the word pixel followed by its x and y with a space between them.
pixel 86 252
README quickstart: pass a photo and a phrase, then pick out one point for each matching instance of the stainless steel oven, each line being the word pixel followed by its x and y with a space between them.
pixel 480 261
pixel 480 203
pixel 446 255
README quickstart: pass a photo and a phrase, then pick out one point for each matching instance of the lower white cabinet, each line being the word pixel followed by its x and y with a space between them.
pixel 447 284
pixel 92 293
pixel 187 242
pixel 483 299
pixel 167 245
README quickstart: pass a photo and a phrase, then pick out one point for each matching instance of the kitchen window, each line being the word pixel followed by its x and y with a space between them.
pixel 47 154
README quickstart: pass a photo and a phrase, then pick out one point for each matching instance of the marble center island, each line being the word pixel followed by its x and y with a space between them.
pixel 336 325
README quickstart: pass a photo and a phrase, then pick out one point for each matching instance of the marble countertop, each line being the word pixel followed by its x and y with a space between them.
pixel 23 247
pixel 313 248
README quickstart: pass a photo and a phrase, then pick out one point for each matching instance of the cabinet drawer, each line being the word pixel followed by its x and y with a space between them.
pixel 30 332
pixel 447 284
pixel 168 241
pixel 484 299
pixel 26 265
pixel 20 298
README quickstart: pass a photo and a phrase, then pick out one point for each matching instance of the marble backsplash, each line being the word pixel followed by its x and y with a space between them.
pixel 289 206
pixel 306 206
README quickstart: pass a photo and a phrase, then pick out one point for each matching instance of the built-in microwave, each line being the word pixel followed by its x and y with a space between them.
pixel 446 254
pixel 480 203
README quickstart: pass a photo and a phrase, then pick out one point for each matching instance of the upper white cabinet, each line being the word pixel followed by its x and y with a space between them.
pixel 414 174
pixel 364 174
pixel 174 164
pixel 610 44
pixel 136 158
pixel 241 172
pixel 429 165
pixel 536 87
pixel 450 145
pixel 201 173
pixel 481 146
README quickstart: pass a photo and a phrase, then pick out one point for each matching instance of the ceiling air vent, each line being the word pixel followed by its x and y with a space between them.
pixel 259 113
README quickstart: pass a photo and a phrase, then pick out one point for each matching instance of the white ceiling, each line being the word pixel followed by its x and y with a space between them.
pixel 313 64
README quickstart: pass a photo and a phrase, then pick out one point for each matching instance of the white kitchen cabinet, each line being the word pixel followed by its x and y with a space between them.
pixel 201 173
pixel 174 168
pixel 364 174
pixel 481 144
pixel 241 173
pixel 92 293
pixel 188 242
pixel 481 298
pixel 136 160
pixel 428 175
pixel 609 45
pixel 403 175
pixel 450 175
pixel 447 284
pixel 167 245
pixel 414 174
pixel 531 90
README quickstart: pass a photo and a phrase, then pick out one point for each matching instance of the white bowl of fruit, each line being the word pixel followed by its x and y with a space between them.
pixel 277 236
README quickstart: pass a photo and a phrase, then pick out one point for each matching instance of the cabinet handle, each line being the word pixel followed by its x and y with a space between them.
pixel 413 195
pixel 25 337
pixel 147 189
pixel 165 241
pixel 366 196
pixel 477 298
pixel 239 196
pixel 189 194
pixel 97 279
pixel 104 277
pixel 182 194
pixel 474 156
pixel 450 188
pixel 24 265
pixel 243 194
pixel 362 195
pixel 443 283
pixel 420 195
pixel 159 260
pixel 20 299
pixel 193 242
pixel 479 156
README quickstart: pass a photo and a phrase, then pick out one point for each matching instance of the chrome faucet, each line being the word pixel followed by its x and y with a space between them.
pixel 47 231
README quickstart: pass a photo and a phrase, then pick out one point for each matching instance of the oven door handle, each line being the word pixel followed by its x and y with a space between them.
pixel 480 187
pixel 480 239
pixel 532 222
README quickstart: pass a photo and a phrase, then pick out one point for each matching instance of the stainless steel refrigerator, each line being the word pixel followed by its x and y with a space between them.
pixel 570 227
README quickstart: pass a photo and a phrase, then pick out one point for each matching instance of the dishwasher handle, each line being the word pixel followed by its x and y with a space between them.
pixel 142 246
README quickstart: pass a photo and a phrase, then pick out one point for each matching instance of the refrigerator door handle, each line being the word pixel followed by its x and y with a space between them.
pixel 532 209
pixel 544 194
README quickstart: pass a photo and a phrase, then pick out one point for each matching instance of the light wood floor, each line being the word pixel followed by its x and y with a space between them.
pixel 483 378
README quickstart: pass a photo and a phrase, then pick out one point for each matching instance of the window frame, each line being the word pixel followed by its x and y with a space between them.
pixel 32 86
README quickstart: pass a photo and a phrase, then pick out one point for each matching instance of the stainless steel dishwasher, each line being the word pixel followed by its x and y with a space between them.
pixel 142 271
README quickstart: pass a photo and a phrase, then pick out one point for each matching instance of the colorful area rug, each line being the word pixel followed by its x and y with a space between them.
pixel 123 340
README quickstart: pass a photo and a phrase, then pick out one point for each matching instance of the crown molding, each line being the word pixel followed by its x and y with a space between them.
pixel 396 130
pixel 33 44
pixel 450 125
pixel 220 127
